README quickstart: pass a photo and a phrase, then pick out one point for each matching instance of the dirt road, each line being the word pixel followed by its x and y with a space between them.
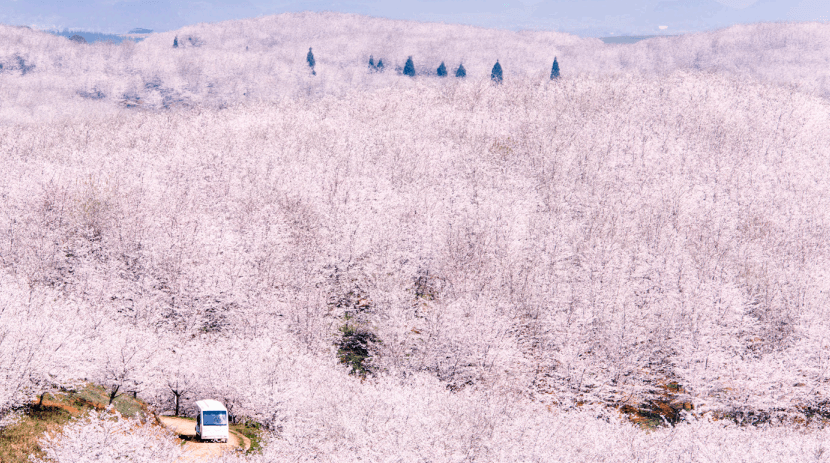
pixel 186 431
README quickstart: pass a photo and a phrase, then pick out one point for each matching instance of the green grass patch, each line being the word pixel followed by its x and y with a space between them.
pixel 20 440
pixel 253 431
pixel 96 396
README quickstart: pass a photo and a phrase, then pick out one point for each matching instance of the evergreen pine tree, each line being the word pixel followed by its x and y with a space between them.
pixel 176 42
pixel 442 70
pixel 409 68
pixel 460 72
pixel 554 72
pixel 496 75
pixel 379 67
pixel 372 63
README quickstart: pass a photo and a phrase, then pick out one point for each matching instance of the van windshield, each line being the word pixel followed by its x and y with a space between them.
pixel 218 418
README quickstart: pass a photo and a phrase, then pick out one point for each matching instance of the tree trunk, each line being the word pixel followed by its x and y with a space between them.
pixel 114 393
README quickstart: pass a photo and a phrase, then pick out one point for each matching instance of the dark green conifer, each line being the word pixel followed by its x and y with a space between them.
pixel 442 70
pixel 176 42
pixel 496 75
pixel 409 68
pixel 372 66
pixel 461 72
pixel 379 67
pixel 554 72
pixel 310 58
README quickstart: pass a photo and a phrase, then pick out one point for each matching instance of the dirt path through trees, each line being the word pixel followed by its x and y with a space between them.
pixel 186 431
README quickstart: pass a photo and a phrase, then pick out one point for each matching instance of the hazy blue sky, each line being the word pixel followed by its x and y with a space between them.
pixel 584 17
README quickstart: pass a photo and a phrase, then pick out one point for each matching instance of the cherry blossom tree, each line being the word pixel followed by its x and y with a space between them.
pixel 181 375
pixel 107 436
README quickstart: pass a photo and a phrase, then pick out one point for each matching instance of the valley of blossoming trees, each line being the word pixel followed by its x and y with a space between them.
pixel 628 263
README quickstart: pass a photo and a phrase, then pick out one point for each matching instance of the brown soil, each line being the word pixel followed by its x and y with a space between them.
pixel 186 431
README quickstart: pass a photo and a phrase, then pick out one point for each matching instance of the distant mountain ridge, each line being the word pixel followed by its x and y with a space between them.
pixel 135 35
pixel 626 39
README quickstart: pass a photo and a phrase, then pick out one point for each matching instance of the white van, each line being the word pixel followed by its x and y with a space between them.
pixel 211 421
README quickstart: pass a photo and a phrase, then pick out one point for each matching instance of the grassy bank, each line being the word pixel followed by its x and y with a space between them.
pixel 20 440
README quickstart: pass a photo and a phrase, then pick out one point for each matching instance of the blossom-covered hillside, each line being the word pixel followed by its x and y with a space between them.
pixel 380 267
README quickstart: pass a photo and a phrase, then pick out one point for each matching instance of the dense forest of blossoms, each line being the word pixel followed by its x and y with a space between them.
pixel 428 269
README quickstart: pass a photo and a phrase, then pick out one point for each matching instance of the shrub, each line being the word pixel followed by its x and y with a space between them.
pixel 95 94
pixel 353 349
pixel 77 39
pixel 18 63
pixel 428 286
pixel 409 68
pixel 354 345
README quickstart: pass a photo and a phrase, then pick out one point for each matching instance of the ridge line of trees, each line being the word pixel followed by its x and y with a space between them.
pixel 496 74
